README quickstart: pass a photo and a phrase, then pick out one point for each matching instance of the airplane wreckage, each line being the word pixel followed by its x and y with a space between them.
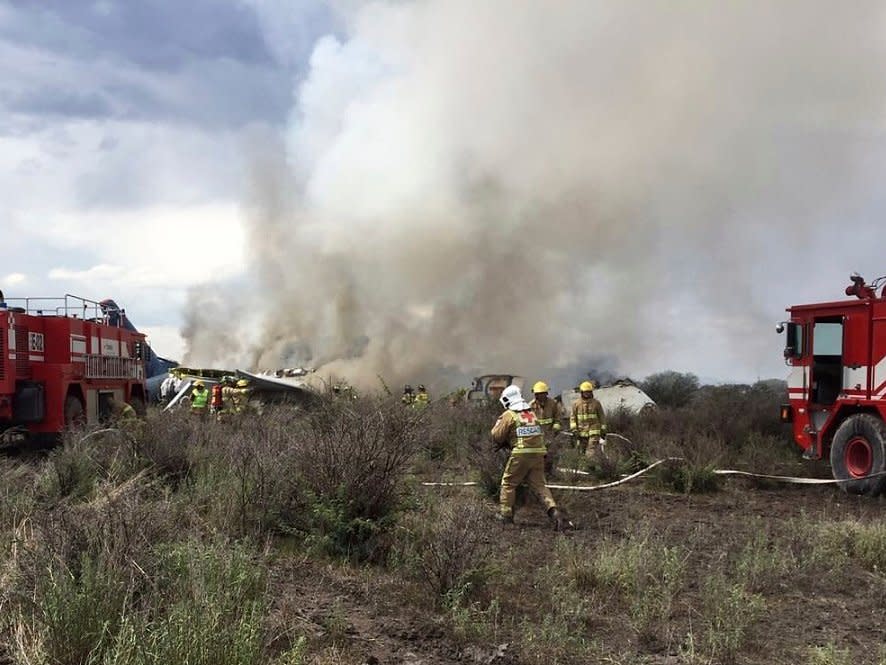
pixel 303 387
pixel 283 386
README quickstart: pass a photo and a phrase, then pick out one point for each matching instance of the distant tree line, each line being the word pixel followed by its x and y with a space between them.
pixel 671 389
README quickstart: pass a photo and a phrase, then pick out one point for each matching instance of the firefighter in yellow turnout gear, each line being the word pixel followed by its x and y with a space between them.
pixel 518 428
pixel 588 422
pixel 422 399
pixel 240 396
pixel 123 415
pixel 547 411
pixel 199 399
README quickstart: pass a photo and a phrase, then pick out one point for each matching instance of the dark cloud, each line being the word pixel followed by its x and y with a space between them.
pixel 157 34
pixel 67 103
pixel 207 63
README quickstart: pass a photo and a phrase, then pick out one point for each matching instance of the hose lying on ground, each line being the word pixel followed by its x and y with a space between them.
pixel 794 480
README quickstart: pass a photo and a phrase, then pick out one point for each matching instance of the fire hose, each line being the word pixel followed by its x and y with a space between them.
pixel 794 480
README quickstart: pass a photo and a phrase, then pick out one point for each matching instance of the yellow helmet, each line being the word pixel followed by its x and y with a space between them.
pixel 540 387
pixel 198 383
pixel 242 383
pixel 586 386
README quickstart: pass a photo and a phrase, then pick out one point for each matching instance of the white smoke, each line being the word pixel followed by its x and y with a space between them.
pixel 517 185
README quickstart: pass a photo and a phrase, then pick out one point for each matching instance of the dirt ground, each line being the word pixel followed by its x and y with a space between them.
pixel 367 616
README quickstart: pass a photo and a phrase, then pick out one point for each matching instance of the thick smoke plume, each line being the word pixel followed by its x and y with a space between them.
pixel 512 184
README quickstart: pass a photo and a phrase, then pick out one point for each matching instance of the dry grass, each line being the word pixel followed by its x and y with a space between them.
pixel 181 544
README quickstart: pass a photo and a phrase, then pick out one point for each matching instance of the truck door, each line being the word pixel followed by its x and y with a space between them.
pixel 826 380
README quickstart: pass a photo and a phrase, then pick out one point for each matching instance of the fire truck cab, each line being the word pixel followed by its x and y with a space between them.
pixel 60 360
pixel 837 384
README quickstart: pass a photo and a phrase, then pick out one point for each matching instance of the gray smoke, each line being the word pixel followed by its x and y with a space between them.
pixel 513 185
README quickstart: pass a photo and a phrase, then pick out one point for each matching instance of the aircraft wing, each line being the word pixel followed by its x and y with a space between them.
pixel 279 388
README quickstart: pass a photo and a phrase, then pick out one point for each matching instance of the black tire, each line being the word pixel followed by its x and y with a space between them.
pixel 75 415
pixel 858 450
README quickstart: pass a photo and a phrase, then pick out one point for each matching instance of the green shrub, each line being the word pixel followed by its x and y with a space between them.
pixel 337 529
pixel 443 544
pixel 736 425
pixel 487 460
pixel 71 473
pixel 164 441
pixel 671 389
pixel 77 610
pixel 207 609
pixel 244 480
pixel 352 460
pixel 451 429
pixel 687 478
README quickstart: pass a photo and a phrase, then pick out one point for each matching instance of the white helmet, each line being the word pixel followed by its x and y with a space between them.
pixel 511 398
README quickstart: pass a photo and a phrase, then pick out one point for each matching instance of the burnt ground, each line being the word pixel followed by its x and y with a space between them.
pixel 369 614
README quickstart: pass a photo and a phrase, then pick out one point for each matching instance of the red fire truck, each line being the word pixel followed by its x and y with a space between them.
pixel 837 384
pixel 60 360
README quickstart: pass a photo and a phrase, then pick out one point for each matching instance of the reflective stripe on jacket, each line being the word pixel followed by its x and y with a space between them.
pixel 199 398
pixel 548 415
pixel 521 430
pixel 587 418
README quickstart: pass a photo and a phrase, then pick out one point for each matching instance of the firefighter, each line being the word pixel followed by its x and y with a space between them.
pixel 344 390
pixel 122 414
pixel 228 390
pixel 587 422
pixel 408 395
pixel 422 399
pixel 216 400
pixel 199 399
pixel 120 410
pixel 547 411
pixel 240 396
pixel 519 429
pixel 457 397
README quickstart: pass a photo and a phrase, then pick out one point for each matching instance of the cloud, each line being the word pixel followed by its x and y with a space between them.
pixel 290 27
pixel 207 64
pixel 166 341
pixel 13 279
pixel 626 179
pixel 152 34
pixel 153 247
pixel 123 129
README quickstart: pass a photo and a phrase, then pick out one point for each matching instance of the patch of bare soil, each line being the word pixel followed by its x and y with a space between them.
pixel 360 618
pixel 367 615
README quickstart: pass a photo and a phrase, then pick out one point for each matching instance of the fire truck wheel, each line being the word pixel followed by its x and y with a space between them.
pixel 75 416
pixel 859 450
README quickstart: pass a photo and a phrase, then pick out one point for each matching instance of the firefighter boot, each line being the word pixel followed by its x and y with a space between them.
pixel 559 519
pixel 505 518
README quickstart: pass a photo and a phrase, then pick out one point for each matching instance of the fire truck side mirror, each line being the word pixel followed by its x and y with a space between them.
pixel 780 328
